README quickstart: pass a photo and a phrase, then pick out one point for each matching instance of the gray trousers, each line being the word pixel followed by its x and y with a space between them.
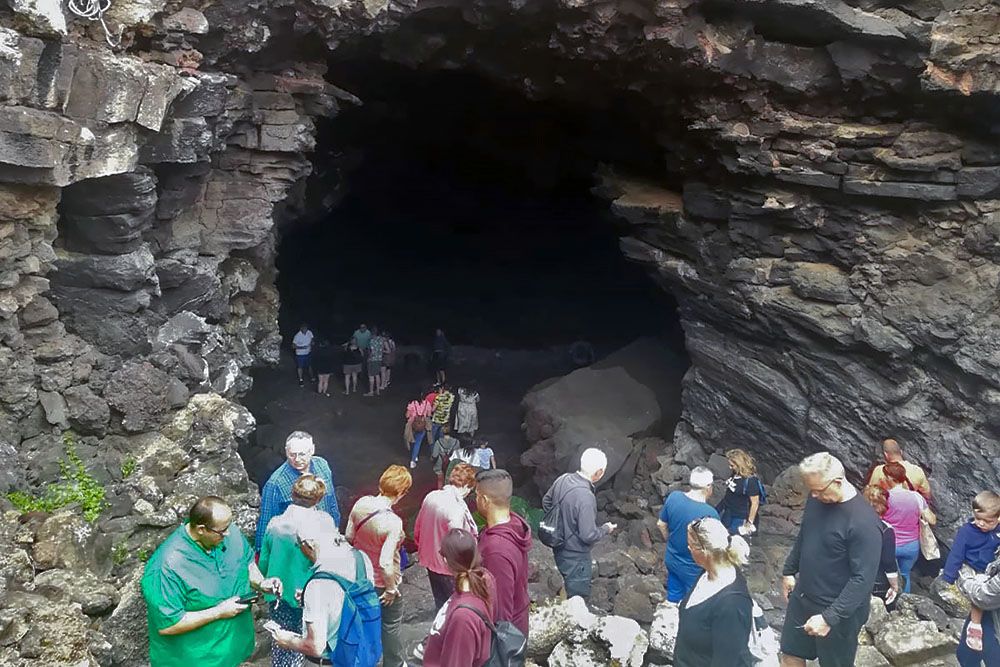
pixel 392 646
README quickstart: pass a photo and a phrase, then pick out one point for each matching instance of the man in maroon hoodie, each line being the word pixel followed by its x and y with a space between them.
pixel 504 546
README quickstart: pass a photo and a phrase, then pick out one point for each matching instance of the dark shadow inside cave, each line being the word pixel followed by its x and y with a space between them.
pixel 465 206
pixel 451 202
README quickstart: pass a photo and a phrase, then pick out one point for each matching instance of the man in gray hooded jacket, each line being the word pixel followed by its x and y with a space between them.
pixel 574 492
pixel 983 590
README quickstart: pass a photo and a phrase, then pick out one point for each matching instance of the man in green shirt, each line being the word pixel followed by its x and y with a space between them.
pixel 192 585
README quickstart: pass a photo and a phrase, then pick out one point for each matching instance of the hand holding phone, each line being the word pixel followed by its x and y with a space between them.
pixel 249 599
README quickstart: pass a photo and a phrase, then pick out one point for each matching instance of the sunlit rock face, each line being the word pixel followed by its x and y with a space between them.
pixel 825 207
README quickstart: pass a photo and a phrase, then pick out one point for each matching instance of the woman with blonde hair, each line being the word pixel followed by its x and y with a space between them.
pixel 717 615
pixel 738 509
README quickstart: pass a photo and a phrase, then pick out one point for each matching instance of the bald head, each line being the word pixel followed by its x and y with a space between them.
pixel 210 511
pixel 891 450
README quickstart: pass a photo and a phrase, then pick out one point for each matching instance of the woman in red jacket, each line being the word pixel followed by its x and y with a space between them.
pixel 460 635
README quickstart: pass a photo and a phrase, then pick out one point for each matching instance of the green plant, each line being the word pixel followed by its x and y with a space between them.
pixel 533 515
pixel 129 466
pixel 518 505
pixel 75 486
pixel 119 553
pixel 144 554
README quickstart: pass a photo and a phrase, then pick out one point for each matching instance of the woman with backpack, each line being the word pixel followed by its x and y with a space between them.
pixel 744 495
pixel 716 617
pixel 461 635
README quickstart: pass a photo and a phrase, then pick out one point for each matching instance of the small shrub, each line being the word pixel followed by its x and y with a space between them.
pixel 144 554
pixel 129 466
pixel 119 553
pixel 75 486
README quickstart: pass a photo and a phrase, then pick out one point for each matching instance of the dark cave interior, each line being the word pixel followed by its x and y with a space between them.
pixel 463 205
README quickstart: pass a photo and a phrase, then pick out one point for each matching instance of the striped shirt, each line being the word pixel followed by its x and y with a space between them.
pixel 277 495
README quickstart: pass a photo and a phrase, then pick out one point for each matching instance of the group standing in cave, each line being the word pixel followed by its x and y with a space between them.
pixel 853 542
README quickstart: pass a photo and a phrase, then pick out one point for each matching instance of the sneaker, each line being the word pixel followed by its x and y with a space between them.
pixel 413 464
pixel 301 383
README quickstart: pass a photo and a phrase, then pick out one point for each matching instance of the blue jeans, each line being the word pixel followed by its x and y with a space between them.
pixel 990 655
pixel 680 583
pixel 418 438
pixel 576 570
pixel 735 523
pixel 906 555
pixel 436 431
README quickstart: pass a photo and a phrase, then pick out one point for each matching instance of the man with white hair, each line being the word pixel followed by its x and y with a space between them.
pixel 322 598
pixel 680 509
pixel 578 529
pixel 276 495
pixel 836 557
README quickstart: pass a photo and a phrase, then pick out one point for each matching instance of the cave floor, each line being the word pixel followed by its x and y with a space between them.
pixel 362 435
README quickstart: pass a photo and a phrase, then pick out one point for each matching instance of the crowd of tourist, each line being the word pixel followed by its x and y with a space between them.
pixel 369 352
pixel 334 598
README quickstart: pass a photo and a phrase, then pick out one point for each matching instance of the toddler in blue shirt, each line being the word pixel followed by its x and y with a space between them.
pixel 976 545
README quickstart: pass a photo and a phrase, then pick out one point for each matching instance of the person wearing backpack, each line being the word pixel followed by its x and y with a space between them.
pixel 570 523
pixel 716 616
pixel 745 493
pixel 461 634
pixel 341 612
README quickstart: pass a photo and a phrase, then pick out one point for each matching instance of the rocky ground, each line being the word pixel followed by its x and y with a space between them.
pixel 824 207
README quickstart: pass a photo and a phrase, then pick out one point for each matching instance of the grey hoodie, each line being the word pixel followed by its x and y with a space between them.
pixel 577 512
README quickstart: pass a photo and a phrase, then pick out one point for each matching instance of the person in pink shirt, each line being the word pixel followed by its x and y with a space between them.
pixel 418 416
pixel 906 509
pixel 441 511
pixel 460 635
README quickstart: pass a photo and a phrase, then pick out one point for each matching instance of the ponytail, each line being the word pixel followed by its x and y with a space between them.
pixel 738 551
pixel 478 585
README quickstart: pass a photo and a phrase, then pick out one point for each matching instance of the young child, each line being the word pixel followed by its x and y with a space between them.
pixel 975 545
pixel 484 455
pixel 441 453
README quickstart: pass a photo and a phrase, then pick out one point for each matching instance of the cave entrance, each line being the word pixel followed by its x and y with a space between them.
pixel 447 201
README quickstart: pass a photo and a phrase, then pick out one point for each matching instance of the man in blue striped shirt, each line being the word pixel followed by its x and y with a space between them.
pixel 277 493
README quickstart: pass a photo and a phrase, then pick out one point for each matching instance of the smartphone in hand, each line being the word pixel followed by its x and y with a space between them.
pixel 249 599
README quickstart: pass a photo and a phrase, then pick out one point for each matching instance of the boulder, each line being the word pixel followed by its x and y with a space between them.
pixel 87 412
pixel 141 392
pixel 95 597
pixel 603 406
pixel 663 631
pixel 558 621
pixel 625 641
pixel 904 640
pixel 64 540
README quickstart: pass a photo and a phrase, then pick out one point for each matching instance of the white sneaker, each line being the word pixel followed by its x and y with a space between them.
pixel 413 464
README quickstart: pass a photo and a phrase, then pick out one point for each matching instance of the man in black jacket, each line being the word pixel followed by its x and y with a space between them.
pixel 836 557
pixel 574 492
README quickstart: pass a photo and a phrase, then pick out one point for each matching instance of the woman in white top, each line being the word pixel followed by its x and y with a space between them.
pixel 717 615
pixel 467 415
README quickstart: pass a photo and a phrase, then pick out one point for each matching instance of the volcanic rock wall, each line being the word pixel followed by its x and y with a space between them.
pixel 834 245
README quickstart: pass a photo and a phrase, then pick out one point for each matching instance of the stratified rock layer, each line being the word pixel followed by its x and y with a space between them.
pixel 828 216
